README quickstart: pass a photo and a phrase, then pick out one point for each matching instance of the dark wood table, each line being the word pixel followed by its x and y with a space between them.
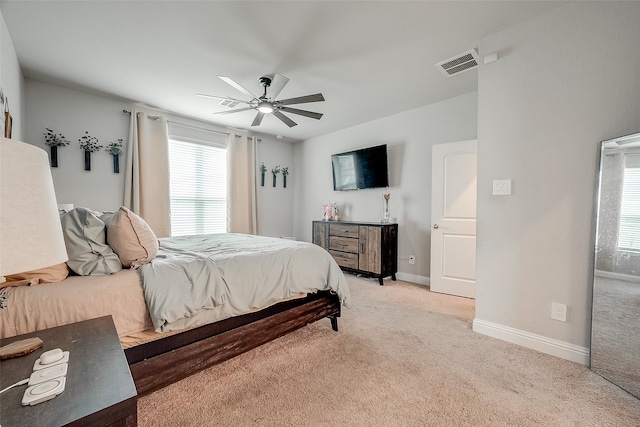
pixel 99 388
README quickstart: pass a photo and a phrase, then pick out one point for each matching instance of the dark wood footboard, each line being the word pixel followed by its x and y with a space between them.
pixel 162 362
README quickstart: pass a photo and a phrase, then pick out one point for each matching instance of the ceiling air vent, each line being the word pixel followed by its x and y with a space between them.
pixel 462 62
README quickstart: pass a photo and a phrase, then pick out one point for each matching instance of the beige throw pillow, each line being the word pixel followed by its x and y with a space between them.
pixel 52 274
pixel 130 237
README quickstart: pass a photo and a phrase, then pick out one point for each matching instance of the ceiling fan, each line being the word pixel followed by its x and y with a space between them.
pixel 267 104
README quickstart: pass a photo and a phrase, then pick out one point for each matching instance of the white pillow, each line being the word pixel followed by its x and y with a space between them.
pixel 86 243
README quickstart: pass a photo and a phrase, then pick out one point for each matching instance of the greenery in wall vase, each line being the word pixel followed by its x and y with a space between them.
pixel 285 172
pixel 115 149
pixel 263 169
pixel 89 144
pixel 54 140
pixel 275 171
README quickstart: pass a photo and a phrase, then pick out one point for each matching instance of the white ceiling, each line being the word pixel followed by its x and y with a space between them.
pixel 368 59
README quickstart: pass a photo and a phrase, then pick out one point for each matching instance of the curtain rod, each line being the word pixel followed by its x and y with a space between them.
pixel 209 130
pixel 154 118
pixel 182 124
pixel 198 127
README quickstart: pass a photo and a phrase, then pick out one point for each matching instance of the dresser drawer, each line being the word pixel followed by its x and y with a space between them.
pixel 344 244
pixel 345 259
pixel 343 230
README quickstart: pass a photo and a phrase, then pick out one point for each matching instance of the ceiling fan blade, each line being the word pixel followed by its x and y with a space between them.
pixel 224 98
pixel 277 84
pixel 204 95
pixel 302 99
pixel 287 121
pixel 235 111
pixel 231 82
pixel 258 119
pixel 302 112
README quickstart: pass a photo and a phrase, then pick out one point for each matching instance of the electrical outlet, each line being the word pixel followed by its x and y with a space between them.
pixel 412 259
pixel 559 311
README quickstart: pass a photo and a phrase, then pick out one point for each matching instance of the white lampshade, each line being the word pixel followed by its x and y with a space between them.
pixel 30 229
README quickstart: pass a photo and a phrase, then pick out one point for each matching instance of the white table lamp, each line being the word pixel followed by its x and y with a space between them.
pixel 30 230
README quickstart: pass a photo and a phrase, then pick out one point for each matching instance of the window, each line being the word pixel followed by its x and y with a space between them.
pixel 629 235
pixel 344 171
pixel 198 182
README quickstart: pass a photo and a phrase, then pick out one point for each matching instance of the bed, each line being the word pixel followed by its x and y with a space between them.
pixel 264 288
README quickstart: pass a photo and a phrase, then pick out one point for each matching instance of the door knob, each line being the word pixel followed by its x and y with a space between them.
pixel 435 226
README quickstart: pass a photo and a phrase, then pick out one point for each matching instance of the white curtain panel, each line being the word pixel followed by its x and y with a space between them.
pixel 241 194
pixel 147 172
pixel 611 179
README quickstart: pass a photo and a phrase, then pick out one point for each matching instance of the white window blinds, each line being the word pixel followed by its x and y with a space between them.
pixel 629 236
pixel 198 181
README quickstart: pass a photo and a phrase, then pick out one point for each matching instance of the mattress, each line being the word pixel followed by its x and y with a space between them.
pixel 31 308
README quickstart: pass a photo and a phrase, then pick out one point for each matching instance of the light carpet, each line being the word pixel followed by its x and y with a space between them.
pixel 404 356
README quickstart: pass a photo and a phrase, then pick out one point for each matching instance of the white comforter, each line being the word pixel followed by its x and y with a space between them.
pixel 195 280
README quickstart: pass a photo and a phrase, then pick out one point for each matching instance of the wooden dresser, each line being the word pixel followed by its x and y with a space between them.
pixel 366 248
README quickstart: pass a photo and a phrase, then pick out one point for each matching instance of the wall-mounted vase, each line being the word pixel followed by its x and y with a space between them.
pixel 54 156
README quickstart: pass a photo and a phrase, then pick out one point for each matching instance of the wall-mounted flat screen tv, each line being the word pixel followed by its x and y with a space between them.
pixel 360 169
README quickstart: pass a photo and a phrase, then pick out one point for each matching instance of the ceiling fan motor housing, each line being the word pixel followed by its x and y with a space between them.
pixel 265 81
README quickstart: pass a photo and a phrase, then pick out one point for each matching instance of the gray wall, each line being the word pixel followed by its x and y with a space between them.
pixel 563 83
pixel 409 137
pixel 72 112
pixel 275 205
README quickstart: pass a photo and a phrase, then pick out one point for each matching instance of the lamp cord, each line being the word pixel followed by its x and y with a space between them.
pixel 15 385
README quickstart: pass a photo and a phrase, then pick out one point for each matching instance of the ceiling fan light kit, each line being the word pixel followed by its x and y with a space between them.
pixel 267 103
pixel 265 107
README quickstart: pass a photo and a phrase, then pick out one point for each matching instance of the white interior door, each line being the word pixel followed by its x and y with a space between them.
pixel 453 218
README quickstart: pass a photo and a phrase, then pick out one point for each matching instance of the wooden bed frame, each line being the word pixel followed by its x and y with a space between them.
pixel 164 361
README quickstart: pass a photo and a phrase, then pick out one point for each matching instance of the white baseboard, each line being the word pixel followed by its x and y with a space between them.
pixel 617 276
pixel 564 350
pixel 413 278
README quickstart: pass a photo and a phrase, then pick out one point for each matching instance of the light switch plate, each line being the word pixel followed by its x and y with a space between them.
pixel 501 187
pixel 559 311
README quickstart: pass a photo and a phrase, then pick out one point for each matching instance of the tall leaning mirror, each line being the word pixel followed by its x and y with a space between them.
pixel 615 329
